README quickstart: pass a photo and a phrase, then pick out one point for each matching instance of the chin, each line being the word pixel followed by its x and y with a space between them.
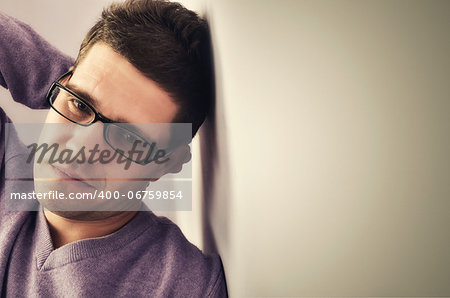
pixel 86 215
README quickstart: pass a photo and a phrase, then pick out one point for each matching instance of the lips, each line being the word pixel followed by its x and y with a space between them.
pixel 69 175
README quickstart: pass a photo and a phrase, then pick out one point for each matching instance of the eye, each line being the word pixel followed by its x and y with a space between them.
pixel 80 105
pixel 77 106
pixel 130 138
pixel 126 137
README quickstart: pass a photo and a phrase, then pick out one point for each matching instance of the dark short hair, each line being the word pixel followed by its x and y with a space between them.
pixel 166 42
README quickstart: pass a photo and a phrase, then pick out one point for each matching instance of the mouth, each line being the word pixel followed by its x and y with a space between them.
pixel 67 175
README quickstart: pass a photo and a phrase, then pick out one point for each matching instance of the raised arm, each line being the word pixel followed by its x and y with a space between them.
pixel 28 63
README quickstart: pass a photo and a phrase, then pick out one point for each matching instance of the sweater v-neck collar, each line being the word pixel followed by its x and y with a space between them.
pixel 48 258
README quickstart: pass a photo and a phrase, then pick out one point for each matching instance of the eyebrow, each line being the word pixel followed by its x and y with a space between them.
pixel 84 95
pixel 90 100
pixel 93 102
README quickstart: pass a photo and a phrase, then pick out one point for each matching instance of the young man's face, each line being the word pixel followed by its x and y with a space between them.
pixel 121 93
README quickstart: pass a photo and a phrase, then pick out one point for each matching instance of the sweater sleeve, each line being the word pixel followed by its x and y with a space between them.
pixel 28 63
pixel 219 287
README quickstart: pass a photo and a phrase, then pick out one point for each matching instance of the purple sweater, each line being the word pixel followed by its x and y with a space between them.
pixel 148 257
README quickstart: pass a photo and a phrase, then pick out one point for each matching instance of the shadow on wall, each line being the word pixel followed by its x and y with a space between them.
pixel 208 143
pixel 215 173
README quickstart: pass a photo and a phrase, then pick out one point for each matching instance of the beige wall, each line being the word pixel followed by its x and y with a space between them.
pixel 333 147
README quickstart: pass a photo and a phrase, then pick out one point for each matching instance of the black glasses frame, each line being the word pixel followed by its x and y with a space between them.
pixel 98 117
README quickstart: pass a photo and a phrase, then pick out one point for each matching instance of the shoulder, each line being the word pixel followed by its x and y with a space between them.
pixel 187 270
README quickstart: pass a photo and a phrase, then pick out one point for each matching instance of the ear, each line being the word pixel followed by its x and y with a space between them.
pixel 174 161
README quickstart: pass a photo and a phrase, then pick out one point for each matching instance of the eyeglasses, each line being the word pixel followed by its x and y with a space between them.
pixel 75 109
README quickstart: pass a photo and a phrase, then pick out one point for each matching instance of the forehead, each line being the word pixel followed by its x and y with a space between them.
pixel 121 92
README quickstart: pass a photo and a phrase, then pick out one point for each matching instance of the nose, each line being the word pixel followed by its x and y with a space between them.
pixel 89 137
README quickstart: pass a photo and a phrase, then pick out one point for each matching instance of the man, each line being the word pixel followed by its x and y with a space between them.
pixel 142 62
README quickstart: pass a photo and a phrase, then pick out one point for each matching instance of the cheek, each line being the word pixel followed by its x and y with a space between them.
pixel 132 179
pixel 56 129
pixel 54 117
